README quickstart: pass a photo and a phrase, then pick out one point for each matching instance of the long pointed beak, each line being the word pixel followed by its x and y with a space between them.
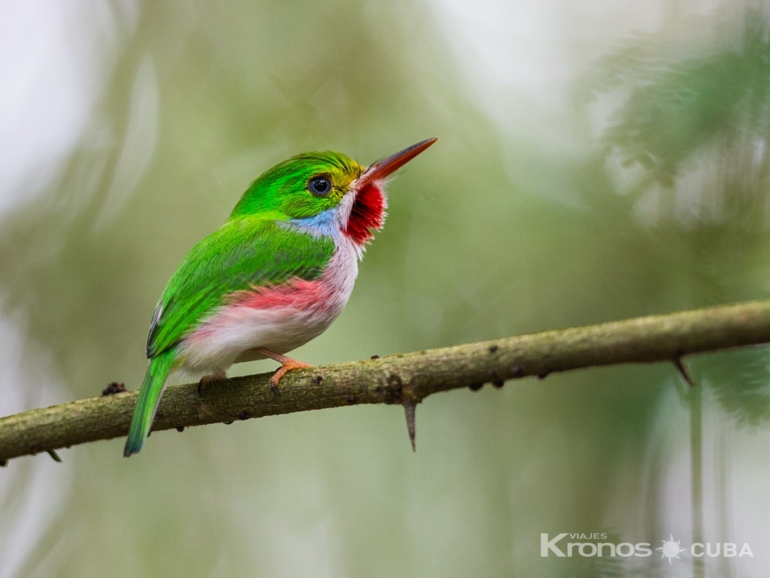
pixel 381 169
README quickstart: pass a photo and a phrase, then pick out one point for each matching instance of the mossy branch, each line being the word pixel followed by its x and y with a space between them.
pixel 404 379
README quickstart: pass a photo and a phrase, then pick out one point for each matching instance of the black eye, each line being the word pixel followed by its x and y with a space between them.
pixel 320 186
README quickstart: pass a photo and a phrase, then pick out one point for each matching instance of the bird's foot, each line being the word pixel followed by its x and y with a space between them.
pixel 208 379
pixel 287 364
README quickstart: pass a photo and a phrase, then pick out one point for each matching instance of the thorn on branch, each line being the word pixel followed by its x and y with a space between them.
pixel 3 463
pixel 54 456
pixel 682 369
pixel 475 386
pixel 410 407
pixel 244 415
pixel 517 371
pixel 113 388
pixel 543 374
pixel 375 356
pixel 180 429
pixel 493 348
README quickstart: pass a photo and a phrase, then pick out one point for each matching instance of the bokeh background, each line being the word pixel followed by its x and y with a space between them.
pixel 598 160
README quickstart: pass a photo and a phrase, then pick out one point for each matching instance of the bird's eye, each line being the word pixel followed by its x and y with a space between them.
pixel 320 186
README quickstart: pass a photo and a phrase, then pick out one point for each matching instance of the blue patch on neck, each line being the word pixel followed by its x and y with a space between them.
pixel 324 224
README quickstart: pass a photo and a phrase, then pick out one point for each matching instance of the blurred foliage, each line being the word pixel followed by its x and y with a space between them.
pixel 696 120
pixel 686 97
pixel 201 97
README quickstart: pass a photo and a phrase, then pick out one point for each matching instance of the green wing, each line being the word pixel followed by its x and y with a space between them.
pixel 244 252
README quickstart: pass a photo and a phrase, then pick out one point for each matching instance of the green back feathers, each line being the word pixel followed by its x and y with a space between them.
pixel 283 190
pixel 243 253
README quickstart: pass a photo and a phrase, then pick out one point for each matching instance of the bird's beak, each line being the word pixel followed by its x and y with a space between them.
pixel 381 169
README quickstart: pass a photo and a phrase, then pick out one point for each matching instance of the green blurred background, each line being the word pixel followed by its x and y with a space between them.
pixel 598 160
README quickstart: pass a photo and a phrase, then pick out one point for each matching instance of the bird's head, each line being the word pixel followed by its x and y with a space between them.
pixel 326 193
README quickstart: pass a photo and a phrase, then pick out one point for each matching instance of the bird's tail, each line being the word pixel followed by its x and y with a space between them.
pixel 149 397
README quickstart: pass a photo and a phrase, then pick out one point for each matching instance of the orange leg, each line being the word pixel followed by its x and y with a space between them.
pixel 287 364
pixel 207 379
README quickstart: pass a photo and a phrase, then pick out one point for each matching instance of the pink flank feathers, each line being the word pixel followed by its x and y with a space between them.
pixel 297 293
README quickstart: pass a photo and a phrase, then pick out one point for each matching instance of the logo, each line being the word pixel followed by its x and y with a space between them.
pixel 566 545
pixel 670 549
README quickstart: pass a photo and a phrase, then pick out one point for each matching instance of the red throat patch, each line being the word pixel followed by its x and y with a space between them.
pixel 367 214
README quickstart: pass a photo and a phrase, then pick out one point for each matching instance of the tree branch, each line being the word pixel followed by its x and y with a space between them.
pixel 404 379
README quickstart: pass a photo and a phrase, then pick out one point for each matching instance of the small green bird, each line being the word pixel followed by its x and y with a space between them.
pixel 273 277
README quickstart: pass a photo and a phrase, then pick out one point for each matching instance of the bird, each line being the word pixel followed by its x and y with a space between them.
pixel 275 275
